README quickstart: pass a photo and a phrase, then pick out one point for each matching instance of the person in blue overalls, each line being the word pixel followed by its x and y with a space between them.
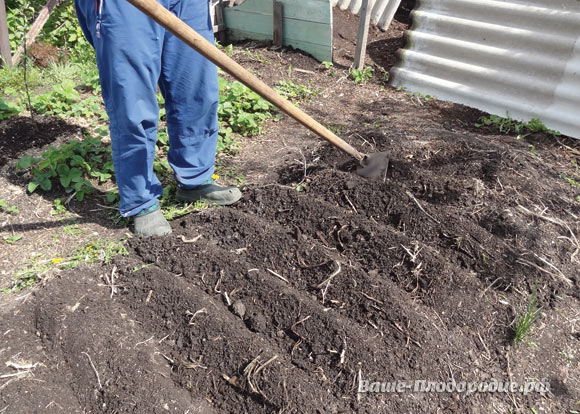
pixel 134 56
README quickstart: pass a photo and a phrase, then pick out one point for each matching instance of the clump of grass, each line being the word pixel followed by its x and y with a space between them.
pixel 97 251
pixel 173 209
pixel 525 320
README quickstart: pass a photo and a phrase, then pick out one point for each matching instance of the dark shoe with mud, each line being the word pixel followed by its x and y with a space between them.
pixel 151 224
pixel 210 193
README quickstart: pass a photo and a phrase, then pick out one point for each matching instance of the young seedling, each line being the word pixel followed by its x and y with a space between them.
pixel 525 321
pixel 9 209
pixel 13 239
pixel 361 76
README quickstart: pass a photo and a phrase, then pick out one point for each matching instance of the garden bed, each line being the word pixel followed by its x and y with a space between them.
pixel 319 278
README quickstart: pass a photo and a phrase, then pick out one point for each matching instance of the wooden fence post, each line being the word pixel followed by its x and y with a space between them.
pixel 277 30
pixel 363 31
pixel 4 39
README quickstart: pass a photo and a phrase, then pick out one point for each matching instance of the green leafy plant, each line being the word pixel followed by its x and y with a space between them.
pixel 13 239
pixel 361 75
pixel 419 95
pixel 9 209
pixel 337 129
pixel 327 64
pixel 58 206
pixel 525 321
pixel 571 181
pixel 7 109
pixel 72 230
pixel 507 125
pixel 58 101
pixel 241 111
pixel 19 14
pixel 70 165
pixel 294 91
pixel 503 125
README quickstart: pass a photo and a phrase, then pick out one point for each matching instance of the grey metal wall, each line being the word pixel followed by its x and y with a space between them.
pixel 382 11
pixel 515 57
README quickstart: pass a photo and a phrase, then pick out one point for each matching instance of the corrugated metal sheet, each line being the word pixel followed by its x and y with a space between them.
pixel 382 12
pixel 514 56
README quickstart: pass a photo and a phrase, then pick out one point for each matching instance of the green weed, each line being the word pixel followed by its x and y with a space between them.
pixel 58 207
pixel 72 230
pixel 173 209
pixel 420 96
pixel 361 75
pixel 13 239
pixel 4 206
pixel 97 251
pixel 327 64
pixel 8 110
pixel 525 321
pixel 293 91
pixel 12 81
pixel 58 101
pixel 506 125
pixel 231 173
pixel 139 267
pixel 570 181
pixel 336 129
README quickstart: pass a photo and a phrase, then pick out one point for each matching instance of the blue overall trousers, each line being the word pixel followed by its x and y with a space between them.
pixel 134 55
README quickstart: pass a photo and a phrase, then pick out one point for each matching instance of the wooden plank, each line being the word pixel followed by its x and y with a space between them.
pixel 4 39
pixel 362 36
pixel 277 33
pixel 35 29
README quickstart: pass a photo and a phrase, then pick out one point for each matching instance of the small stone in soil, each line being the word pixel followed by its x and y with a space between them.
pixel 239 308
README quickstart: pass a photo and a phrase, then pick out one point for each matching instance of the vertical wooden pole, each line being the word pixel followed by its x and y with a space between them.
pixel 277 31
pixel 4 39
pixel 363 31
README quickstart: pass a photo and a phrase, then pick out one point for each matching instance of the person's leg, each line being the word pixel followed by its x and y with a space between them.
pixel 189 84
pixel 128 46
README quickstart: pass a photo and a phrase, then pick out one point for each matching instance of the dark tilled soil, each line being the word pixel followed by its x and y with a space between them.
pixel 20 134
pixel 319 277
pixel 276 305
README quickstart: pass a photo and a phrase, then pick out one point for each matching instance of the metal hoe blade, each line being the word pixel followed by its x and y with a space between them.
pixel 374 165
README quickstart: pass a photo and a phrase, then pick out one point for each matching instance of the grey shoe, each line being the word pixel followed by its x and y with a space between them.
pixel 151 224
pixel 210 193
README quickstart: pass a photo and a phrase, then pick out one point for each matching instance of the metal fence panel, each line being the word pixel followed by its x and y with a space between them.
pixel 381 14
pixel 513 57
